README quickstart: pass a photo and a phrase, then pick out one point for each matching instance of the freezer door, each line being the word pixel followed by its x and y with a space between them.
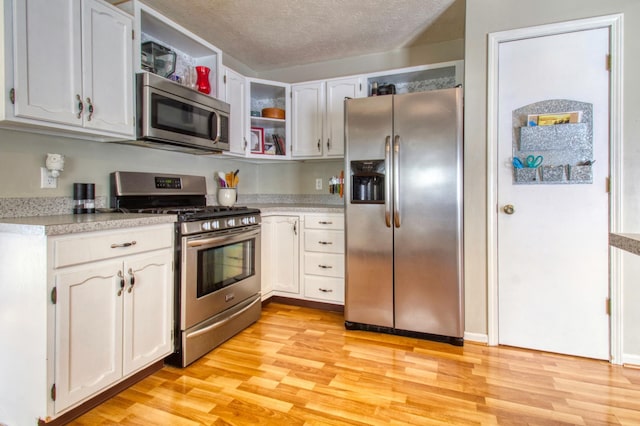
pixel 428 233
pixel 369 241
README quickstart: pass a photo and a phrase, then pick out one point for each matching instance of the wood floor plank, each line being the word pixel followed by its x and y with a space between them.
pixel 299 366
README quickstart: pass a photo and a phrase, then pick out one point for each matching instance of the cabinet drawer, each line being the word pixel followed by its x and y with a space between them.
pixel 328 265
pixel 324 288
pixel 320 221
pixel 92 246
pixel 324 241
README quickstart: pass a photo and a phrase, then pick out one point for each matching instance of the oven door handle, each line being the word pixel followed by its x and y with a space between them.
pixel 231 238
pixel 224 321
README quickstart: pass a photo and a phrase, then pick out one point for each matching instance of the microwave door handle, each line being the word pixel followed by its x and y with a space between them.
pixel 215 124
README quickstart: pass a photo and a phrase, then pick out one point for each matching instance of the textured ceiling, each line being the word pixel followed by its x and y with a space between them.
pixel 272 34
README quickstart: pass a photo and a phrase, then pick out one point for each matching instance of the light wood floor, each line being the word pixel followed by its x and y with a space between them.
pixel 299 366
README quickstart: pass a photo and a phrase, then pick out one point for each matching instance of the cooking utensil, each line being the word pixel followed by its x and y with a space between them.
pixel 517 163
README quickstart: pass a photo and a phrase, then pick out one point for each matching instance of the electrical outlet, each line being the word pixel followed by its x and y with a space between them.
pixel 318 184
pixel 46 180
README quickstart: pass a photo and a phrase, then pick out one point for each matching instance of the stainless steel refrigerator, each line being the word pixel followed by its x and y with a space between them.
pixel 404 214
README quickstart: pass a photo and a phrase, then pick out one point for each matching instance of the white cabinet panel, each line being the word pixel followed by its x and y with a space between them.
pixel 327 264
pixel 308 109
pixel 236 97
pixel 73 67
pixel 324 241
pixel 337 91
pixel 88 331
pixel 324 288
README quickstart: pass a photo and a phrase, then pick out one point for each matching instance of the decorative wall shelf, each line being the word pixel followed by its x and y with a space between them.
pixel 565 147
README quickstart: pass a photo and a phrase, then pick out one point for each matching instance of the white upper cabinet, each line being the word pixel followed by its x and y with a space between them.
pixel 318 116
pixel 308 103
pixel 73 67
pixel 337 91
pixel 191 50
pixel 235 88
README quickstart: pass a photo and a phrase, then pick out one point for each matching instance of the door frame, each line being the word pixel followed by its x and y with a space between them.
pixel 614 23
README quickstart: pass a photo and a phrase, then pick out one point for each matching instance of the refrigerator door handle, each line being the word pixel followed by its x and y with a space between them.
pixel 387 181
pixel 396 181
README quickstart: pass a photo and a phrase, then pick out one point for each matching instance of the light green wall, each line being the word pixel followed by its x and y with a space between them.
pixel 487 16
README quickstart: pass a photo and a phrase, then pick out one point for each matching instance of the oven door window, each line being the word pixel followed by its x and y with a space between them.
pixel 221 266
pixel 180 117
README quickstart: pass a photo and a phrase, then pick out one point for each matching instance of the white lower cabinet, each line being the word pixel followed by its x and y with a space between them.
pixel 280 255
pixel 113 317
pixel 84 312
pixel 303 257
pixel 323 270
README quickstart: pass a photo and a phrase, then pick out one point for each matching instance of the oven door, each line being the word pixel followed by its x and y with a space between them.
pixel 218 271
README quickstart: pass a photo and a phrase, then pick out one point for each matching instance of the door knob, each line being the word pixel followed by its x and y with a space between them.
pixel 508 209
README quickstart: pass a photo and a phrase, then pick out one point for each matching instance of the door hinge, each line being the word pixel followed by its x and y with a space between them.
pixel 133 34
pixel 607 184
pixel 53 392
pixel 54 295
pixel 608 64
pixel 608 306
pixel 12 96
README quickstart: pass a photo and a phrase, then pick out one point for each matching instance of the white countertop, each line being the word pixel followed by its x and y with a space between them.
pixel 298 208
pixel 72 223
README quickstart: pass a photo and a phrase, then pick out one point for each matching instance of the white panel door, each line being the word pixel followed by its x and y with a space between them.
pixel 148 309
pixel 553 281
pixel 308 110
pixel 236 97
pixel 337 91
pixel 88 331
pixel 48 60
pixel 107 69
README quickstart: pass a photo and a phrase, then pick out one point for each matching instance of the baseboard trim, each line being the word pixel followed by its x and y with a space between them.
pixel 476 337
pixel 304 303
pixel 81 409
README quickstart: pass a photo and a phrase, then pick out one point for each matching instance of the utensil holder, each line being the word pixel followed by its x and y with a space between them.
pixel 227 196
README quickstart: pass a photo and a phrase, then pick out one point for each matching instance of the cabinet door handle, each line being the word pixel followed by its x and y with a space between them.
pixel 325 243
pixel 328 144
pixel 132 280
pixel 121 283
pixel 295 228
pixel 325 266
pixel 326 290
pixel 319 145
pixel 80 106
pixel 245 144
pixel 322 222
pixel 132 243
pixel 90 109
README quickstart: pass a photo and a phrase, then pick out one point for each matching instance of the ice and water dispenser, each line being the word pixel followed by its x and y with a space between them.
pixel 367 181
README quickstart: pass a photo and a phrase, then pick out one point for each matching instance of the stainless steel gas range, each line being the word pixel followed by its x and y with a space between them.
pixel 217 258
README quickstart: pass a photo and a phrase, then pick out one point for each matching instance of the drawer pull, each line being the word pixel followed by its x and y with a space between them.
pixel 132 243
pixel 326 290
pixel 324 222
pixel 325 243
pixel 325 266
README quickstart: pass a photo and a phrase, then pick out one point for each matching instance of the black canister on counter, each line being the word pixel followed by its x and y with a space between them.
pixel 90 199
pixel 79 196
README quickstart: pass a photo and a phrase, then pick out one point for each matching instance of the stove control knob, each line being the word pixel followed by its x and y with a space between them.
pixel 206 226
pixel 215 224
pixel 231 222
pixel 246 221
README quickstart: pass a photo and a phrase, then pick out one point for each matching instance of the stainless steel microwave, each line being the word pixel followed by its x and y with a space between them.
pixel 175 117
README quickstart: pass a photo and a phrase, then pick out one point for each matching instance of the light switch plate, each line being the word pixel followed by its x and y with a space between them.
pixel 46 180
pixel 318 184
